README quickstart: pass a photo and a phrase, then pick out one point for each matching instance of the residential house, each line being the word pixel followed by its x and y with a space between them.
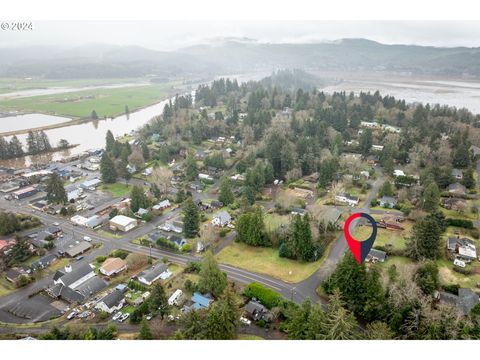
pixel 78 249
pixel 372 159
pixel 463 247
pixel 453 203
pixel 464 301
pixel 457 174
pixel 347 199
pixel 157 271
pixel 215 204
pixel 195 185
pixel 141 213
pixel 457 189
pixel 43 262
pixel 201 301
pixel 112 302
pixel 122 223
pixel 398 172
pixel 387 202
pixel 376 256
pixel 24 193
pixel 205 177
pixel 475 150
pixel 6 244
pixel 176 298
pixel 221 219
pixel 164 204
pixel 15 273
pixel 298 211
pixel 256 311
pixel 113 266
pixel 377 147
pixel 90 184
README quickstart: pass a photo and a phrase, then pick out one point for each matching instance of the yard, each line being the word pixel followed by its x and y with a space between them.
pixel 266 261
pixel 107 102
pixel 117 189
pixel 449 276
pixel 273 221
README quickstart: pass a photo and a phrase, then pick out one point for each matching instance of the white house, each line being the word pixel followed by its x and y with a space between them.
pixel 112 302
pixel 158 271
pixel 377 147
pixel 122 223
pixel 164 204
pixel 398 172
pixel 347 199
pixel 222 219
pixel 175 298
pixel 205 177
pixel 73 277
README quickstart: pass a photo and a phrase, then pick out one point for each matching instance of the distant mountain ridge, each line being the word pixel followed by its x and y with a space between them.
pixel 231 55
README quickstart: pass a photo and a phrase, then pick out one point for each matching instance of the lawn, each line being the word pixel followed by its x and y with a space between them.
pixel 117 189
pixel 273 221
pixel 384 236
pixel 449 276
pixel 106 102
pixel 266 261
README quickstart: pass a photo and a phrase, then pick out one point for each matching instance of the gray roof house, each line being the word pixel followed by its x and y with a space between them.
pixel 457 188
pixel 112 302
pixel 376 256
pixel 387 201
pixel 157 271
pixel 464 301
pixel 257 311
pixel 221 218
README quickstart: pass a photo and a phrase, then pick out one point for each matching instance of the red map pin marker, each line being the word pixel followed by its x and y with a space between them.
pixel 360 249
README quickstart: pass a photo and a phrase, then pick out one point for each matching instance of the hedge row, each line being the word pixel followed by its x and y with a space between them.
pixel 467 224
pixel 266 296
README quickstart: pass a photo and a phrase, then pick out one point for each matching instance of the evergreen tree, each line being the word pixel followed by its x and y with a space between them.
pixel 212 279
pixel 32 146
pixel 110 142
pixel 425 241
pixel 339 324
pixel 251 228
pixel 94 115
pixel 4 149
pixel 16 148
pixel 191 218
pixel 378 330
pixel 226 194
pixel 145 151
pixel 431 197
pixel 138 199
pixel 191 171
pixel 107 169
pixel 145 332
pixel 468 178
pixel 56 193
pixel 223 317
pixel 386 189
pixel 461 156
pixel 366 142
pixel 158 301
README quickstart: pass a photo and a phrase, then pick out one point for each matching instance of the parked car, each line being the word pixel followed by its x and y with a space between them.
pixel 87 238
pixel 72 315
pixel 149 317
pixel 56 224
pixel 124 317
pixel 117 316
pixel 78 258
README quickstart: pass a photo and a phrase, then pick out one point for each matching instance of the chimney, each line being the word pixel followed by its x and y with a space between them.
pixel 68 268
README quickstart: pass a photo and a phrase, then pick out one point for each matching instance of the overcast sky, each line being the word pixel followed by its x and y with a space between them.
pixel 171 35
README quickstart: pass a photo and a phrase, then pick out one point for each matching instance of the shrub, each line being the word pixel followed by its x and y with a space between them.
pixel 223 232
pixel 266 296
pixel 374 202
pixel 186 248
pixel 100 259
pixel 451 288
pixel 193 267
pixel 135 285
pixel 120 253
pixel 162 242
pixel 467 224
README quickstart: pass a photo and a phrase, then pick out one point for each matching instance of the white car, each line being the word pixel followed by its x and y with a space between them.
pixel 56 224
pixel 124 317
pixel 72 315
pixel 87 238
pixel 245 321
pixel 117 316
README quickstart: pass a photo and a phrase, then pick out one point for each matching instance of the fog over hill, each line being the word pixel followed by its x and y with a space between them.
pixel 232 55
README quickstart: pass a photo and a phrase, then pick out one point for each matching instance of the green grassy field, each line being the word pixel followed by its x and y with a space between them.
pixel 6 287
pixel 106 102
pixel 266 261
pixel 384 236
pixel 117 189
pixel 273 221
pixel 8 85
